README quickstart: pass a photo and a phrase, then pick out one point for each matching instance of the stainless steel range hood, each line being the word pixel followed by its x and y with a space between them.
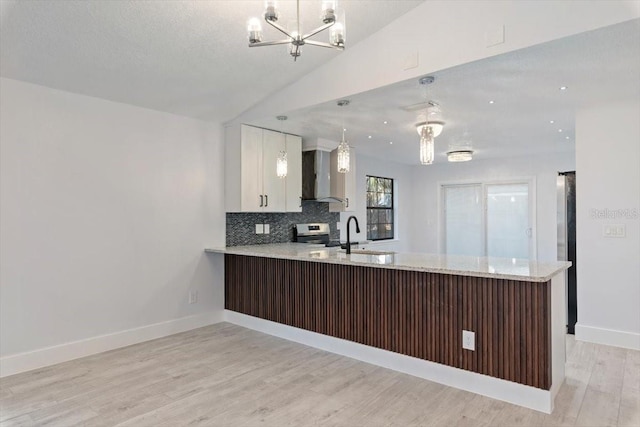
pixel 316 177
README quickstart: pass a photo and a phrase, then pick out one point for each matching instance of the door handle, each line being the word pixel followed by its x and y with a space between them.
pixel 261 201
pixel 266 200
pixel 347 199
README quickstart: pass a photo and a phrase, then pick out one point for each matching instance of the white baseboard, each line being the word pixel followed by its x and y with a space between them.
pixel 612 337
pixel 22 362
pixel 518 394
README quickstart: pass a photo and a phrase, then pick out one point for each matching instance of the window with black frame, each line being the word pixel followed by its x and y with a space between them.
pixel 379 208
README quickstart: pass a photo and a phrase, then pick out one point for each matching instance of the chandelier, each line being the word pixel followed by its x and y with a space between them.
pixel 428 130
pixel 343 147
pixel 295 38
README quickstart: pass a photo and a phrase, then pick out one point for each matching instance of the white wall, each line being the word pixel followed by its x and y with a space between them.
pixel 608 269
pixel 105 211
pixel 543 168
pixel 403 192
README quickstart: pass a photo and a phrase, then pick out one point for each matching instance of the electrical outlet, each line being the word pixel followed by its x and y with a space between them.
pixel 193 297
pixel 267 229
pixel 469 340
pixel 259 229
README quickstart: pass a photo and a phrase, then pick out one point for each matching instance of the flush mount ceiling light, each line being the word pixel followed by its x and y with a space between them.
pixel 343 147
pixel 281 162
pixel 428 129
pixel 459 155
pixel 295 38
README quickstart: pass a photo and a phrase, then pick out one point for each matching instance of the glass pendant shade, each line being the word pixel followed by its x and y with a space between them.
pixel 427 146
pixel 337 34
pixel 271 10
pixel 343 156
pixel 329 11
pixel 281 165
pixel 255 30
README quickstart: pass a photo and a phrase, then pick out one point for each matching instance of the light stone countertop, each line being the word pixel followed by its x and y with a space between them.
pixel 498 268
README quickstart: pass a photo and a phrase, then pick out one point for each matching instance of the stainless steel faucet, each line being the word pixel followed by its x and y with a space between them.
pixel 349 232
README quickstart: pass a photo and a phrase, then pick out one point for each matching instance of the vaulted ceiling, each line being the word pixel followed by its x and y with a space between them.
pixel 191 58
pixel 184 57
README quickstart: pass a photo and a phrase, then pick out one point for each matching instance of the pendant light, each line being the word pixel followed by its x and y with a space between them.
pixel 281 163
pixel 293 36
pixel 428 130
pixel 343 147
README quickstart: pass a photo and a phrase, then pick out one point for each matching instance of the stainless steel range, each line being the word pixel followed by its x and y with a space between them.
pixel 317 233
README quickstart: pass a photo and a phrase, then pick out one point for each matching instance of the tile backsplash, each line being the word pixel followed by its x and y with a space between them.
pixel 241 226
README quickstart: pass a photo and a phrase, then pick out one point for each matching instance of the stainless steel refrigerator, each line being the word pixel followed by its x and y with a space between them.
pixel 567 241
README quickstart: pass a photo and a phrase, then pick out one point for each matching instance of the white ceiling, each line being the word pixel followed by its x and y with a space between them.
pixel 597 67
pixel 191 58
pixel 184 57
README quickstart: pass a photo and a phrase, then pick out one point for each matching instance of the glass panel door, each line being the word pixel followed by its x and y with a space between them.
pixel 508 225
pixel 463 219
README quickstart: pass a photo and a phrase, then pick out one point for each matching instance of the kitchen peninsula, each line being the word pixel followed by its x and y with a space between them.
pixel 408 312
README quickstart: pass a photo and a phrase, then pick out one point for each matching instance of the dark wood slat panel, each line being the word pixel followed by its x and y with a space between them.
pixel 413 313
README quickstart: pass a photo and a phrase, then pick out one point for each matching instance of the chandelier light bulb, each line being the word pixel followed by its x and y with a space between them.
pixel 255 30
pixel 336 34
pixel 271 10
pixel 329 11
pixel 294 48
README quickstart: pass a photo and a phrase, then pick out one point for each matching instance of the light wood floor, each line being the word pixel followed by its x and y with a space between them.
pixel 225 375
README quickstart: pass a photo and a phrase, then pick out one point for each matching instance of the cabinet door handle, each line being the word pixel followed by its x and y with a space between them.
pixel 347 199
pixel 300 202
pixel 261 201
pixel 266 200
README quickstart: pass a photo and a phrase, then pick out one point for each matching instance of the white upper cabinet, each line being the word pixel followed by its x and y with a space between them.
pixel 252 183
pixel 273 187
pixel 343 185
pixel 294 173
pixel 251 194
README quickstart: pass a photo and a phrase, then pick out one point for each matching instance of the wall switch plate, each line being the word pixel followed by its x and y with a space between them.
pixel 259 229
pixel 469 340
pixel 193 297
pixel 266 229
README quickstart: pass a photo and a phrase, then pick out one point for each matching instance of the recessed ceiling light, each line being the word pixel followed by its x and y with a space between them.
pixel 344 129
pixel 369 137
pixel 552 121
pixel 563 88
pixel 385 122
pixel 566 137
pixel 491 102
pixel 559 130
pixel 391 142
